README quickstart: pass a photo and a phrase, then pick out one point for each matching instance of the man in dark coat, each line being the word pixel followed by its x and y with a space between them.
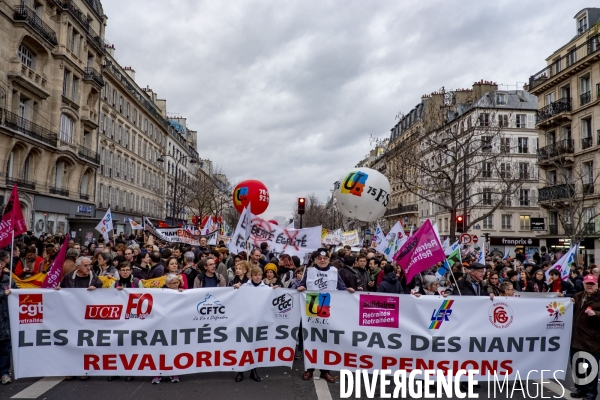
pixel 5 345
pixel 157 269
pixel 348 274
pixel 83 277
pixel 471 285
pixel 585 334
pixel 389 283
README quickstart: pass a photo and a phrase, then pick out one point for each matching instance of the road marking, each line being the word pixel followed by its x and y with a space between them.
pixel 39 388
pixel 558 389
pixel 321 386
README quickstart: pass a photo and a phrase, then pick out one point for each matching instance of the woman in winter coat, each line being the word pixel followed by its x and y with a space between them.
pixel 105 267
pixel 429 286
pixel 538 283
pixel 389 283
pixel 493 284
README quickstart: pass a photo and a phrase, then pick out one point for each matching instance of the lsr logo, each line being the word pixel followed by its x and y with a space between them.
pixel 31 309
pixel 139 305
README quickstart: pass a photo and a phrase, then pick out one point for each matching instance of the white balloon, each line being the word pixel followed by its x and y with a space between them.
pixel 363 194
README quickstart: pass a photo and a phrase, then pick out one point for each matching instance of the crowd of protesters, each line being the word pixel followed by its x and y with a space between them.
pixel 129 260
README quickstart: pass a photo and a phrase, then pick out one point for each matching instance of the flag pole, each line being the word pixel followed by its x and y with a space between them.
pixel 12 252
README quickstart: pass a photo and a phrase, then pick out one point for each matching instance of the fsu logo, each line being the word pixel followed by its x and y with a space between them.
pixel 317 305
pixel 354 183
pixel 500 315
pixel 240 195
pixel 31 309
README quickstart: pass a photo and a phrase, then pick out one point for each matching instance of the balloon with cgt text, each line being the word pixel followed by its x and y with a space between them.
pixel 251 192
pixel 363 194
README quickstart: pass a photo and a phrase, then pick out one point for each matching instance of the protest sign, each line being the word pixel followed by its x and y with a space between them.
pixel 350 238
pixel 376 331
pixel 180 235
pixel 138 332
pixel 332 238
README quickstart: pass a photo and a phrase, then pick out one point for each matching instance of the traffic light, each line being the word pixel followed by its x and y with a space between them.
pixel 460 224
pixel 301 205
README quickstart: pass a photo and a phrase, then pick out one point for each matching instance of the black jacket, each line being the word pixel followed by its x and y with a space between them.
pixel 349 277
pixel 69 281
pixel 464 287
pixel 390 284
pixel 577 283
pixel 4 321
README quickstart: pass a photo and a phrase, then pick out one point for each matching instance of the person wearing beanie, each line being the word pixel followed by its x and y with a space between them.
pixel 271 277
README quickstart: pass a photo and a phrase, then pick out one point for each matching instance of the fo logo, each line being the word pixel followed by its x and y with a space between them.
pixel 31 309
pixel 318 305
pixel 500 315
pixel 354 183
pixel 282 305
pixel 139 306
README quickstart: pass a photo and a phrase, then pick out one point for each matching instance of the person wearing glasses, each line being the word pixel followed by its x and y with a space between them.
pixel 321 276
pixel 209 277
pixel 126 278
pixel 507 289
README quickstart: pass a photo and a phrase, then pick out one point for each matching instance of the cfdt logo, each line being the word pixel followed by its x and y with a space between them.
pixel 500 315
pixel 556 310
pixel 240 195
pixel 318 307
pixel 210 309
pixel 282 305
pixel 354 183
pixel 31 309
pixel 139 306
pixel 441 314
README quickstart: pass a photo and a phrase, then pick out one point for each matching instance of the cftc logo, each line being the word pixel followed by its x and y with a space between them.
pixel 584 368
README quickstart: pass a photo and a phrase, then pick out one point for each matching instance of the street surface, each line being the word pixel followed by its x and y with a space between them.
pixel 278 383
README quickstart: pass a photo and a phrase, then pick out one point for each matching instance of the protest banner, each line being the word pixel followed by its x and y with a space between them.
pixel 137 332
pixel 181 235
pixel 350 238
pixel 375 331
pixel 331 238
pixel 421 251
pixel 295 242
pixel 392 241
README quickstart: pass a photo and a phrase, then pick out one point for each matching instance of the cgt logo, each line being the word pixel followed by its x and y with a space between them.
pixel 441 314
pixel 31 309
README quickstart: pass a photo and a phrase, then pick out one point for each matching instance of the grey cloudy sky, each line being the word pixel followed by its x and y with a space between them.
pixel 288 92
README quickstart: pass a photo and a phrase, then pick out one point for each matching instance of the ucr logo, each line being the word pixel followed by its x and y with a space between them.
pixel 240 195
pixel 31 309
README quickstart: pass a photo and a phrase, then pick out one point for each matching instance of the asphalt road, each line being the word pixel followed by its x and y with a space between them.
pixel 278 383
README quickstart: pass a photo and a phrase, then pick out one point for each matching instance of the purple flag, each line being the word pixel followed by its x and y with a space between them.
pixel 54 275
pixel 420 251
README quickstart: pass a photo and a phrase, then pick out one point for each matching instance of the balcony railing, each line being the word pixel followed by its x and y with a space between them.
pixel 565 146
pixel 402 210
pixel 554 108
pixel 13 121
pixel 59 191
pixel 85 197
pixel 22 183
pixel 585 98
pixel 72 8
pixel 91 73
pixel 588 188
pixel 579 53
pixel 555 192
pixel 88 154
pixel 586 142
pixel 24 13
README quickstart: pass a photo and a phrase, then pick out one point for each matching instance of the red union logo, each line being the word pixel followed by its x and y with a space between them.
pixel 500 315
pixel 139 306
pixel 103 311
pixel 31 309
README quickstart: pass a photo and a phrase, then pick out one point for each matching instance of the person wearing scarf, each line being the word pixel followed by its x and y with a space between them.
pixel 537 284
pixel 126 278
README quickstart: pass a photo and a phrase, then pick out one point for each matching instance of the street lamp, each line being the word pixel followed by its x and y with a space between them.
pixel 177 161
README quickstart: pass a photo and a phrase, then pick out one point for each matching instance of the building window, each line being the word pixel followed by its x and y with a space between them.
pixel 505 170
pixel 486 143
pixel 523 171
pixel 524 197
pixel 487 197
pixel 74 89
pixel 506 221
pixel 503 121
pixel 66 128
pixel 523 145
pixel 525 223
pixel 505 145
pixel 488 222
pixel 66 82
pixel 484 119
pixel 500 98
pixel 581 25
pixel 521 120
pixel 25 56
pixel 486 169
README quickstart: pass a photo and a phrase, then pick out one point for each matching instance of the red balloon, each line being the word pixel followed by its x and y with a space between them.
pixel 253 192
pixel 272 221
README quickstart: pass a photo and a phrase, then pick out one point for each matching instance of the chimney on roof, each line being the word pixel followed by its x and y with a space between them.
pixel 482 87
pixel 130 71
pixel 110 48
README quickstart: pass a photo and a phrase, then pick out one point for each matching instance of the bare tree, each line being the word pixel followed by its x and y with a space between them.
pixel 317 213
pixel 207 194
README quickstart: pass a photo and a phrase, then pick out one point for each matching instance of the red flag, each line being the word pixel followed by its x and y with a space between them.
pixel 55 271
pixel 162 224
pixel 12 219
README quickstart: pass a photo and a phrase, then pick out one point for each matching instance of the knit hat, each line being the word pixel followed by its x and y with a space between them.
pixel 271 267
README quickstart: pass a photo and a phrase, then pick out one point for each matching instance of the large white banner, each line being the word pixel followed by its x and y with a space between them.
pixel 76 332
pixel 401 332
pixel 180 235
pixel 295 242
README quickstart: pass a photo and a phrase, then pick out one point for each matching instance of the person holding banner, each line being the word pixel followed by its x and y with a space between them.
pixel 471 285
pixel 538 283
pixel 322 276
pixel 209 277
pixel 126 279
pixel 557 285
pixel 82 278
pixel 5 345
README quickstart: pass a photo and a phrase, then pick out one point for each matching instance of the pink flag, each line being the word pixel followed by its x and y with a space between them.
pixel 12 219
pixel 420 251
pixel 54 275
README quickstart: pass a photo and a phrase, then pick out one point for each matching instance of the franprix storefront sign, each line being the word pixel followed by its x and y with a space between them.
pixel 151 332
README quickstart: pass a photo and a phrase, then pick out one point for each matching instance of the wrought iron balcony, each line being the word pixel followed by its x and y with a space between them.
pixel 554 108
pixel 85 197
pixel 24 13
pixel 553 229
pixel 413 208
pixel 586 142
pixel 72 8
pixel 21 183
pixel 13 121
pixel 566 146
pixel 566 61
pixel 88 154
pixel 92 74
pixel 585 98
pixel 555 192
pixel 59 191
pixel 588 188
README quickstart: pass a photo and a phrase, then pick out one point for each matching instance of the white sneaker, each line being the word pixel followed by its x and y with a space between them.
pixel 6 379
pixel 175 379
pixel 156 380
